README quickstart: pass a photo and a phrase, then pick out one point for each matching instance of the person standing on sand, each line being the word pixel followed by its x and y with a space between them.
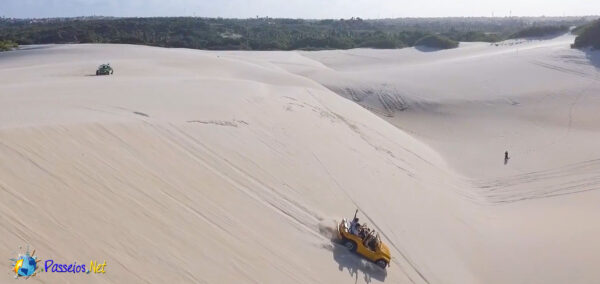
pixel 506 157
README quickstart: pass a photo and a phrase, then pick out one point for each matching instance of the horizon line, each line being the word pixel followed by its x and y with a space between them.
pixel 291 18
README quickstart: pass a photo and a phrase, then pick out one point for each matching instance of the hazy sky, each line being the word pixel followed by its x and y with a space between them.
pixel 297 8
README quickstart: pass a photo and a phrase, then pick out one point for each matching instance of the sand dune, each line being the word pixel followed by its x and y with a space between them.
pixel 192 166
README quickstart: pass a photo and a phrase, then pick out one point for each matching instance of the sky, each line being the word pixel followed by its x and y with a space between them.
pixel 314 9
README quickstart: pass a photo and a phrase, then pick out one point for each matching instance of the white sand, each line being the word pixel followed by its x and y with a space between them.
pixel 230 167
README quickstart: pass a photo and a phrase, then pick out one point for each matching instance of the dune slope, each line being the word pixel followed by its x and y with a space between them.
pixel 185 166
pixel 220 167
pixel 536 99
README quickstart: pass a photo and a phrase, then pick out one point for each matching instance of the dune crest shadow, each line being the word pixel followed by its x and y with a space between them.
pixel 594 57
pixel 423 48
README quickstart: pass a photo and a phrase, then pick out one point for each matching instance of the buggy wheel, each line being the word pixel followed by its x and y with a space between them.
pixel 382 263
pixel 350 245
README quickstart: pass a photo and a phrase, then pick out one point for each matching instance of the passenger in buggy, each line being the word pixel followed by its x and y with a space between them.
pixel 355 227
pixel 368 236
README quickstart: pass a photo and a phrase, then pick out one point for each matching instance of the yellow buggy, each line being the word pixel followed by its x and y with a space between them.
pixel 372 248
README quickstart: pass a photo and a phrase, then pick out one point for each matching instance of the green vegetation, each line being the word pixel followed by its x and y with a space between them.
pixel 436 41
pixel 474 36
pixel 268 33
pixel 214 34
pixel 540 31
pixel 589 36
pixel 579 29
pixel 6 45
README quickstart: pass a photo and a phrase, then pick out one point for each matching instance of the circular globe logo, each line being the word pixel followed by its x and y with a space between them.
pixel 25 265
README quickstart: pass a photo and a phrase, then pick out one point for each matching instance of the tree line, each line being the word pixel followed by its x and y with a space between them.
pixel 540 31
pixel 267 33
pixel 589 36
